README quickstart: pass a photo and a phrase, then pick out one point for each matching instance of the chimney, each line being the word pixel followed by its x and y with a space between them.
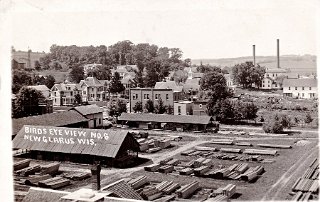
pixel 278 54
pixel 29 59
pixel 254 55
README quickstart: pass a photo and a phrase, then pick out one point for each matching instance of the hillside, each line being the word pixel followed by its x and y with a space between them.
pixel 299 64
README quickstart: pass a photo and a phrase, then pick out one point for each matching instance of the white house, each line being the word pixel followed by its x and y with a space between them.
pixel 270 78
pixel 183 108
pixel 88 67
pixel 62 94
pixel 94 89
pixel 300 88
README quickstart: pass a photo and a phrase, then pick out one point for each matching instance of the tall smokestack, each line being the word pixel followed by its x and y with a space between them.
pixel 254 55
pixel 278 54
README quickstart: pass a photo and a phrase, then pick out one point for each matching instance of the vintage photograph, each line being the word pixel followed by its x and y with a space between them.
pixel 206 100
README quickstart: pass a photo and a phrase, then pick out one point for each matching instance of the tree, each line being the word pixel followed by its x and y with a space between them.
pixel 276 123
pixel 308 118
pixel 77 99
pixel 37 65
pixel 221 109
pixel 149 107
pixel 116 86
pixel 27 102
pixel 138 107
pixel 160 108
pixel 117 108
pixel 170 109
pixel 251 111
pixel 49 81
pixel 56 65
pixel 247 74
pixel 19 79
pixel 76 74
pixel 102 72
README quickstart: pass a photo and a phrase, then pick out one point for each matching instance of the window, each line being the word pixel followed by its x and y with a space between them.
pixel 200 105
pixel 267 75
pixel 273 75
pixel 146 96
pixel 55 93
pixel 136 96
pixel 84 92
pixel 263 85
pixel 263 81
pixel 309 88
pixel 296 88
pixel 302 94
pixel 167 96
pixel 275 85
pixel 268 85
pixel 302 88
pixel 179 110
pixel 71 93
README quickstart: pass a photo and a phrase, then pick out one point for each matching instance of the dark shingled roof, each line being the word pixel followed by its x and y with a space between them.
pixel 88 109
pixel 45 195
pixel 303 82
pixel 102 147
pixel 53 119
pixel 164 118
pixel 122 189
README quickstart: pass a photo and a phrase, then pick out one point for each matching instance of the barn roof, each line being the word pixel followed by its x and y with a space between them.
pixel 40 87
pixel 164 118
pixel 302 82
pixel 168 85
pixel 88 109
pixel 96 142
pixel 53 119
pixel 40 194
pixel 122 189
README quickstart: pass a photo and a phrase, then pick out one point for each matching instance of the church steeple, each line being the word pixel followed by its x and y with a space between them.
pixel 190 73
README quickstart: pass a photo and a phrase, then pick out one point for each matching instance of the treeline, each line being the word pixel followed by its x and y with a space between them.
pixel 153 62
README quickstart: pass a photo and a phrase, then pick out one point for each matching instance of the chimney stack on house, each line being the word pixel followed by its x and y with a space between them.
pixel 278 54
pixel 254 55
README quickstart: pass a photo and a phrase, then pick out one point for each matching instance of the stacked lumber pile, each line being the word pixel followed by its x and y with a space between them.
pixel 165 198
pixel 201 170
pixel 51 168
pixel 219 197
pixel 260 152
pixel 77 176
pixel 187 190
pixel 173 162
pixel 21 164
pixel 29 170
pixel 54 183
pixel 164 162
pixel 275 146
pixel 300 196
pixel 188 152
pixel 222 141
pixel 151 193
pixel 230 150
pixel 138 182
pixel 199 148
pixel 186 171
pixel 229 190
pixel 248 144
pixel 166 169
pixel 164 143
pixel 153 150
pixel 198 162
pixel 34 179
pixel 152 168
pixel 252 173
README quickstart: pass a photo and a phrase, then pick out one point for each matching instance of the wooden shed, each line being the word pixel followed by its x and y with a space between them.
pixel 110 147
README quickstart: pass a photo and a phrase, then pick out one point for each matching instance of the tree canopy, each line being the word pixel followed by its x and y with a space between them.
pixel 115 85
pixel 247 74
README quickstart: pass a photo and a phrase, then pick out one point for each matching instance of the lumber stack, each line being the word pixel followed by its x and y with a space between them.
pixel 187 153
pixel 143 146
pixel 152 168
pixel 198 162
pixel 165 198
pixel 151 193
pixel 248 144
pixel 187 190
pixel 77 176
pixel 275 146
pixel 222 141
pixel 260 151
pixel 153 150
pixel 166 169
pixel 51 168
pixel 163 185
pixel 201 170
pixel 164 143
pixel 230 150
pixel 306 185
pixel 163 162
pixel 173 162
pixel 54 183
pixel 229 190
pixel 29 170
pixel 34 179
pixel 21 164
pixel 138 182
pixel 186 171
pixel 199 148
pixel 252 173
pixel 219 197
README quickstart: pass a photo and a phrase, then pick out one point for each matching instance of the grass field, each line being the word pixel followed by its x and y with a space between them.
pixel 60 76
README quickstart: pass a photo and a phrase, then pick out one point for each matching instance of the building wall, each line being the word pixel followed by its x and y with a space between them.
pixel 182 108
pixel 300 92
pixel 199 108
pixel 268 83
pixel 96 120
pixel 144 94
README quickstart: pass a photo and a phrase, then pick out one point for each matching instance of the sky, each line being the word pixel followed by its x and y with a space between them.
pixel 201 29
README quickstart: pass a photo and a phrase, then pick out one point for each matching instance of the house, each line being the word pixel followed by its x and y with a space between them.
pixel 89 67
pixel 18 63
pixel 45 91
pixel 166 122
pixel 63 94
pixel 191 87
pixel 93 113
pixel 144 94
pixel 127 82
pixel 72 119
pixel 177 89
pixel 124 70
pixel 269 80
pixel 229 81
pixel 93 89
pixel 200 107
pixel 300 88
pixel 25 59
pixel 110 147
pixel 183 108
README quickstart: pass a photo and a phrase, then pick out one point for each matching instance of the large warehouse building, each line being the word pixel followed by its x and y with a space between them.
pixel 109 147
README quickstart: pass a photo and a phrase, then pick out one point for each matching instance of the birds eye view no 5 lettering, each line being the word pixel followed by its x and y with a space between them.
pixel 164 101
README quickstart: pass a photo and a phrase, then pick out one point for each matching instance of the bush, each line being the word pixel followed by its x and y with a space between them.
pixel 272 126
pixel 308 118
